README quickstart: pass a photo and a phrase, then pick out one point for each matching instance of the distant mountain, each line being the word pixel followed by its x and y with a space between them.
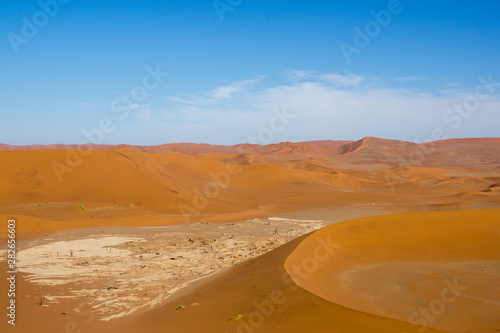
pixel 473 154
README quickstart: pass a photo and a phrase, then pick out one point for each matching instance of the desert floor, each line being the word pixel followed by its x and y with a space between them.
pixel 368 236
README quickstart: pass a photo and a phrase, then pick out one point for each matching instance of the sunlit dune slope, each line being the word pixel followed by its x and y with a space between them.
pixel 122 183
pixel 438 269
pixel 366 154
pixel 467 154
pixel 112 182
pixel 188 148
pixel 266 298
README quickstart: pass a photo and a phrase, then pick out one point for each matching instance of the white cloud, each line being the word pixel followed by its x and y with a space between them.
pixel 143 112
pixel 350 80
pixel 327 106
pixel 335 79
pixel 410 79
pixel 226 92
pixel 299 75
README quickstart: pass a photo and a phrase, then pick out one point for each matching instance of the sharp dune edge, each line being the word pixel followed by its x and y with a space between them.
pixel 393 266
pixel 184 237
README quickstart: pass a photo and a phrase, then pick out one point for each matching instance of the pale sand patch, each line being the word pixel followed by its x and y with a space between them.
pixel 140 268
pixel 3 255
pixel 293 220
pixel 49 263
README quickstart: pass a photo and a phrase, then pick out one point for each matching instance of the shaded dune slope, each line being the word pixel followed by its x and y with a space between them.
pixel 269 301
pixel 175 187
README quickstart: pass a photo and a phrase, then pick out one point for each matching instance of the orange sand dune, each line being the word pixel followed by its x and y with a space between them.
pixel 468 154
pixel 151 182
pixel 186 148
pixel 312 165
pixel 262 292
pixel 366 154
pixel 327 143
pixel 175 187
pixel 367 150
pixel 383 270
pixel 438 269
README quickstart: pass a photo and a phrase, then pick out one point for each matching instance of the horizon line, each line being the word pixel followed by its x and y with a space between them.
pixel 238 144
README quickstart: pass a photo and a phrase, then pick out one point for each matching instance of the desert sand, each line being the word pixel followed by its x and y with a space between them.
pixel 393 265
pixel 319 236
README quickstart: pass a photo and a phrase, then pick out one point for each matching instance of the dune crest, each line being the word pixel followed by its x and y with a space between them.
pixel 399 266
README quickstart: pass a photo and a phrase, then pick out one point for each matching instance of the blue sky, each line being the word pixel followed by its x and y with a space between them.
pixel 232 65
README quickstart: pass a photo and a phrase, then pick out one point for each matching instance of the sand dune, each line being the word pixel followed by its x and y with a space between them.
pixel 467 154
pixel 474 154
pixel 262 292
pixel 379 273
pixel 118 183
pixel 399 266
pixel 126 270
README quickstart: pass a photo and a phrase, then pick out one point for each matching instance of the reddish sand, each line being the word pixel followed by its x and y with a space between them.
pixel 121 183
pixel 447 263
pixel 384 267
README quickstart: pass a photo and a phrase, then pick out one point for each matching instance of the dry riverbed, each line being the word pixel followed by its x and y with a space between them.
pixel 118 271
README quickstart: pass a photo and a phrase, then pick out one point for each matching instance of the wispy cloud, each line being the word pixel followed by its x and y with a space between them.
pixel 335 79
pixel 327 106
pixel 410 79
pixel 350 80
pixel 223 94
pixel 226 92
pixel 298 75
pixel 143 112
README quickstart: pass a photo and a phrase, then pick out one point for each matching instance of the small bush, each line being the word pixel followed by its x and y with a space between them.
pixel 234 318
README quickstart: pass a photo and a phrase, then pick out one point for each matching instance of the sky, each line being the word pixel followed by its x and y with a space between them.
pixel 235 71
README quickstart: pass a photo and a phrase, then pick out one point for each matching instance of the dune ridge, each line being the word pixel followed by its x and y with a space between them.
pixel 285 189
pixel 175 187
pixel 256 283
pixel 393 266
